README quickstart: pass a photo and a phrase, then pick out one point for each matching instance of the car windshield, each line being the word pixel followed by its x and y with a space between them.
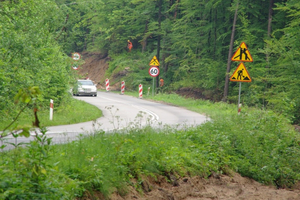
pixel 85 83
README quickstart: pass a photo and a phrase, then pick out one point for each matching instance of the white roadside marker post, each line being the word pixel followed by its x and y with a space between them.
pixel 51 109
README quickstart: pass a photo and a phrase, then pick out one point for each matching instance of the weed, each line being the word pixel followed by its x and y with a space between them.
pixel 257 144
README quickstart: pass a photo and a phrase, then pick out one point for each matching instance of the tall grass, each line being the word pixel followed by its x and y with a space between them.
pixel 70 112
pixel 257 144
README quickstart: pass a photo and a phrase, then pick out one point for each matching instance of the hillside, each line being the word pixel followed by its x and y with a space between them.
pixel 94 67
pixel 230 186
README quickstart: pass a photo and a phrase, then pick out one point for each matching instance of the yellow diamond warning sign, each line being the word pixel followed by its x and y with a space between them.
pixel 240 74
pixel 242 54
pixel 154 62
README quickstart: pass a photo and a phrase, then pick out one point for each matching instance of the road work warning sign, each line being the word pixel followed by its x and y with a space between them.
pixel 240 74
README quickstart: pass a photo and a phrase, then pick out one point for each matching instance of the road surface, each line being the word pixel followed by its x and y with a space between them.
pixel 121 112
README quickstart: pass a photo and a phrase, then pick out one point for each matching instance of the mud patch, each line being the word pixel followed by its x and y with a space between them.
pixel 94 67
pixel 224 187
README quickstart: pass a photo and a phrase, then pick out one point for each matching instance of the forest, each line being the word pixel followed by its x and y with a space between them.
pixel 193 41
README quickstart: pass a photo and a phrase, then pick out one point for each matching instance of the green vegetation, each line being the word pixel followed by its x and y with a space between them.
pixel 191 39
pixel 257 144
pixel 30 56
pixel 70 112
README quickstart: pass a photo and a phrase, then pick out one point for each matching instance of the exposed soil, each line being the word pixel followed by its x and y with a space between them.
pixel 218 187
pixel 94 67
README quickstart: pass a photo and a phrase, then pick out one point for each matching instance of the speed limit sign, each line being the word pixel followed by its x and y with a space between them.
pixel 153 71
pixel 76 56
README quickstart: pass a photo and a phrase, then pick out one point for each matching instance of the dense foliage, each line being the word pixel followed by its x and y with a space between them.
pixel 29 54
pixel 257 144
pixel 191 40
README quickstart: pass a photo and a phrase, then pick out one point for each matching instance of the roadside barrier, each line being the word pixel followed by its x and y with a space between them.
pixel 107 85
pixel 51 109
pixel 140 91
pixel 122 87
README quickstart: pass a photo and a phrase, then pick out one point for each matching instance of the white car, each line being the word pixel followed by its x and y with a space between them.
pixel 85 87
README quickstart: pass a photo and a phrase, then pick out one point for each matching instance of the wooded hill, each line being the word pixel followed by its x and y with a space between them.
pixel 193 40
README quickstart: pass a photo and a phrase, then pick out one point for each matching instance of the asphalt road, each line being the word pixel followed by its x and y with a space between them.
pixel 120 112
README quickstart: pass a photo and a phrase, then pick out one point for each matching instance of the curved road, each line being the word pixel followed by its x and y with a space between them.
pixel 121 111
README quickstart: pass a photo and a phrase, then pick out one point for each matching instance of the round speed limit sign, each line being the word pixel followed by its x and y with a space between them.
pixel 153 71
pixel 76 56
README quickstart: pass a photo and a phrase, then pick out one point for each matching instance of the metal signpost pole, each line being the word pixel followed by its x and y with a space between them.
pixel 240 88
pixel 154 70
pixel 241 74
pixel 153 88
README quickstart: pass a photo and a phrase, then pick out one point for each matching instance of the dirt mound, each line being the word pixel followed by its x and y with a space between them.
pixel 94 67
pixel 215 187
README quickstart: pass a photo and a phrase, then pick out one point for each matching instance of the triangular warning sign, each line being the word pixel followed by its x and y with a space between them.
pixel 240 74
pixel 242 54
pixel 154 62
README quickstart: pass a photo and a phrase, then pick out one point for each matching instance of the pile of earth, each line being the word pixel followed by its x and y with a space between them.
pixel 94 67
pixel 233 187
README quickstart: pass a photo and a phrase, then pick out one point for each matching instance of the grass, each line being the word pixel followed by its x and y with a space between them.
pixel 70 112
pixel 257 143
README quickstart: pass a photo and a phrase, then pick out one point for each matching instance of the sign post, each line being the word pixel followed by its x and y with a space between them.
pixel 154 61
pixel 75 56
pixel 154 72
pixel 75 66
pixel 241 74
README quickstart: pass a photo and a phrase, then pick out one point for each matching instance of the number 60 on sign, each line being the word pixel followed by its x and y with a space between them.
pixel 153 71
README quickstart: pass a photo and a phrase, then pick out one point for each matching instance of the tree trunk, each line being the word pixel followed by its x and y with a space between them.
pixel 144 42
pixel 159 37
pixel 267 52
pixel 164 56
pixel 175 13
pixel 230 54
pixel 269 27
pixel 270 17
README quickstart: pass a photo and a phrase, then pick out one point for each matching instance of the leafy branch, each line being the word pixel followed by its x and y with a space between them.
pixel 28 96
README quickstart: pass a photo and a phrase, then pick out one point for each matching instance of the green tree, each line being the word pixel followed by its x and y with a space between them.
pixel 30 56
